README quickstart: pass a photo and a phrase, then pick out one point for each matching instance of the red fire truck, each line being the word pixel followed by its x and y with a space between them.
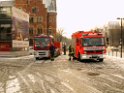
pixel 42 44
pixel 89 45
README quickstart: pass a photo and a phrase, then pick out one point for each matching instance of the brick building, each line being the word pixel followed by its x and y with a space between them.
pixel 51 15
pixel 42 16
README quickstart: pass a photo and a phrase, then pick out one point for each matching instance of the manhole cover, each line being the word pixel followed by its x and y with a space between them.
pixel 92 73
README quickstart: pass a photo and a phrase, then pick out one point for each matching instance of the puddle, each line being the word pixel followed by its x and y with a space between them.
pixel 99 67
pixel 93 74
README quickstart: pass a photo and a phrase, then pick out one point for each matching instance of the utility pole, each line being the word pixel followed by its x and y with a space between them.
pixel 121 37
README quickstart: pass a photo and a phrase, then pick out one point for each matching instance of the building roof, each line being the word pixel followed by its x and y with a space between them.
pixel 50 5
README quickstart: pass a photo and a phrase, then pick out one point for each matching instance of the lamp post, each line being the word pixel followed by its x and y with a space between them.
pixel 121 38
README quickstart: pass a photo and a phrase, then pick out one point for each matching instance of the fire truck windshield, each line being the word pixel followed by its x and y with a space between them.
pixel 93 42
pixel 41 42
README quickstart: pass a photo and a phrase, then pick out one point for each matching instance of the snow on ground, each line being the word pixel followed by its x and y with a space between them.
pixel 117 60
pixel 12 86
pixel 11 59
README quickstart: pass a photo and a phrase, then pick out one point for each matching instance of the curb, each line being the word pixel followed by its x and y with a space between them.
pixel 20 59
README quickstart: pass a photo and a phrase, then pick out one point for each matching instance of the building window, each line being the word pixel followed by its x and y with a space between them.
pixel 49 31
pixel 39 31
pixel 39 19
pixel 34 10
pixel 31 42
pixel 5 10
pixel 31 20
pixel 5 34
pixel 28 1
pixel 35 19
pixel 50 20
pixel 31 31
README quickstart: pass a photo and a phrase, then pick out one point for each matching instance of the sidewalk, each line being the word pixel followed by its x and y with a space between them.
pixel 14 54
pixel 28 58
pixel 115 54
pixel 5 58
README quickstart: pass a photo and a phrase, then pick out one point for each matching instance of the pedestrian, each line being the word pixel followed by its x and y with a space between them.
pixel 64 49
pixel 52 51
pixel 70 52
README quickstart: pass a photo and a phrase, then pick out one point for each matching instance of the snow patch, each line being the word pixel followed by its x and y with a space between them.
pixel 52 91
pixel 118 61
pixel 120 76
pixel 50 79
pixel 67 85
pixel 11 77
pixel 31 78
pixel 13 86
pixel 67 70
pixel 43 86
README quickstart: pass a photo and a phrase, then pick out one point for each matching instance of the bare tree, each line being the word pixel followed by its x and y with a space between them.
pixel 59 35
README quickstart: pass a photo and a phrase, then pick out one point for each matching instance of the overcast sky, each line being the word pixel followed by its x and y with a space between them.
pixel 74 15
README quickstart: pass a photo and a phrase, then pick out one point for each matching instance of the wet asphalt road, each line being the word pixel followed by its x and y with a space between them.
pixel 62 76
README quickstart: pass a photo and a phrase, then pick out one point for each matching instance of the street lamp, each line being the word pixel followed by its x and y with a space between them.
pixel 121 38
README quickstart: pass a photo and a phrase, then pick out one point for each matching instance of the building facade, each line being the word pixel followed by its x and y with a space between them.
pixel 14 28
pixel 51 16
pixel 113 33
pixel 42 16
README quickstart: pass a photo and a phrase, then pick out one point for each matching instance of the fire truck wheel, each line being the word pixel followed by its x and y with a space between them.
pixel 79 57
pixel 101 60
pixel 37 58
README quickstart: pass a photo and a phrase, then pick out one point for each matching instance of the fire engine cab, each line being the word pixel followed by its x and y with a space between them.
pixel 88 45
pixel 42 46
